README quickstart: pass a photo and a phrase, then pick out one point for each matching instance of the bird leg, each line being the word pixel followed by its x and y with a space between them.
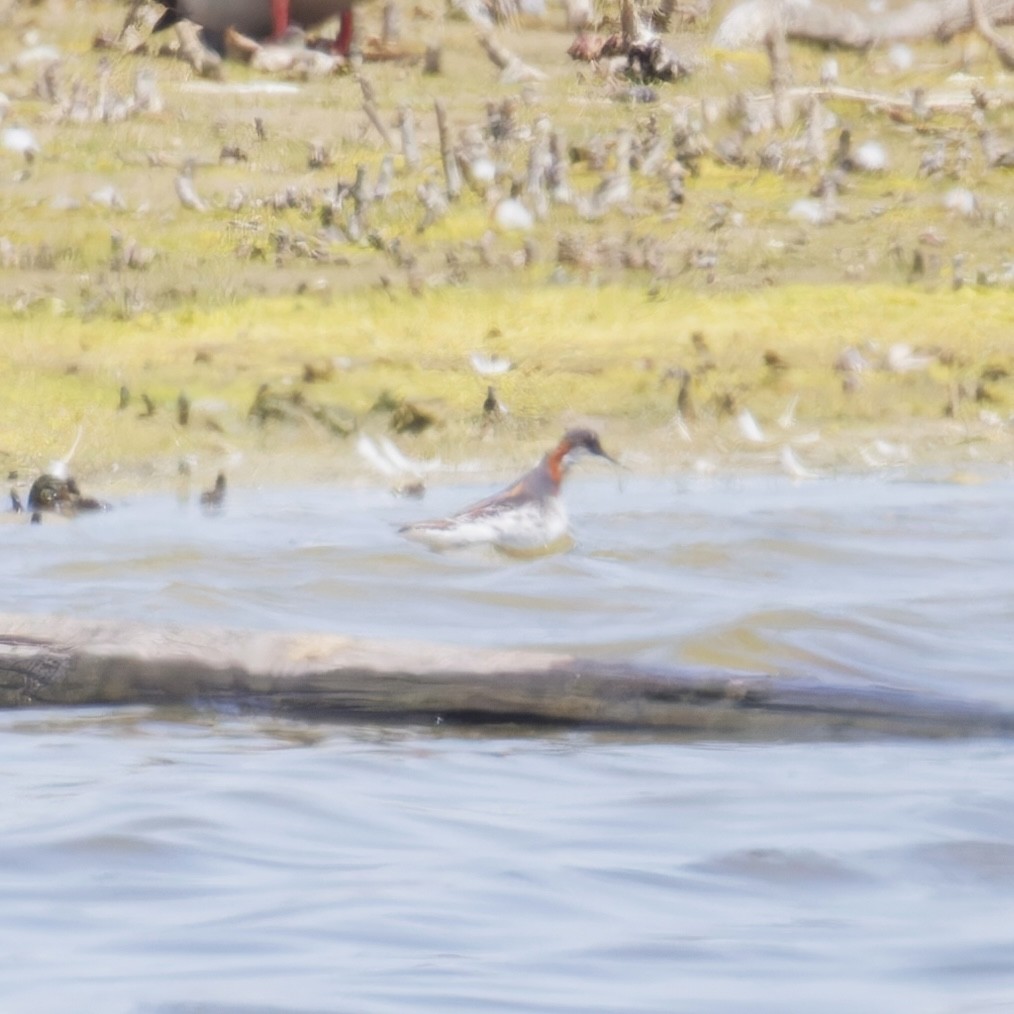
pixel 346 27
pixel 280 17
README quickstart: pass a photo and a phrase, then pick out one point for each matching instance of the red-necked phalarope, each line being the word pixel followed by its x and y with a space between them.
pixel 526 517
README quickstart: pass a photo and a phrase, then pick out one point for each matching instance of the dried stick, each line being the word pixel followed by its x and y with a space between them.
pixel 557 177
pixel 409 148
pixel 628 24
pixel 781 73
pixel 370 108
pixel 985 28
pixel 894 103
pixel 390 33
pixel 202 59
pixel 131 20
pixel 512 68
pixel 452 172
pixel 816 148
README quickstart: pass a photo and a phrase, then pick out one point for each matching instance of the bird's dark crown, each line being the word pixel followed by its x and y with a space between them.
pixel 583 439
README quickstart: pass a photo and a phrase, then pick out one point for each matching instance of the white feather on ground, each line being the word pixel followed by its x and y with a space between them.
pixel 788 418
pixel 792 465
pixel 58 468
pixel 489 366
pixel 386 458
pixel 20 141
pixel 749 429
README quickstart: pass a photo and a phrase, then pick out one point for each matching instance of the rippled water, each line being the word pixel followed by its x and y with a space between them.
pixel 165 862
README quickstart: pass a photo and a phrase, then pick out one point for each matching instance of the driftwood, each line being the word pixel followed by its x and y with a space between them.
pixel 203 60
pixel 390 33
pixel 409 147
pixel 513 70
pixel 835 25
pixel 46 660
pixel 628 23
pixel 452 172
pixel 781 73
pixel 892 105
pixel 984 26
pixel 372 111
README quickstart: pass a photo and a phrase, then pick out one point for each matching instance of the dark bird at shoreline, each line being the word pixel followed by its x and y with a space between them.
pixel 260 19
pixel 61 496
pixel 214 498
pixel 492 407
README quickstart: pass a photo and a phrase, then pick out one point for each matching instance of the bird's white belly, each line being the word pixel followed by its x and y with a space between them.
pixel 529 528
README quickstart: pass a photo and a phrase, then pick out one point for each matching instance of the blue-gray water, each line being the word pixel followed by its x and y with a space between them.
pixel 169 862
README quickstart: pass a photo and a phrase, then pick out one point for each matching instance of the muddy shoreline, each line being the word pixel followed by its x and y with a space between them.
pixel 710 329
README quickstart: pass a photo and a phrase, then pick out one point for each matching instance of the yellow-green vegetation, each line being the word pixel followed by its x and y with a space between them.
pixel 611 355
pixel 895 318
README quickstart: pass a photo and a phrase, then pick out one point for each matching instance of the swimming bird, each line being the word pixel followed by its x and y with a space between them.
pixel 260 19
pixel 527 517
pixel 61 495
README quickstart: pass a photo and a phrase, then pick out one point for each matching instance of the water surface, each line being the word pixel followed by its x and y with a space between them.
pixel 158 861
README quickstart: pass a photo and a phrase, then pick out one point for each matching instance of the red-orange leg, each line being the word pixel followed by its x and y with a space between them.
pixel 343 42
pixel 280 17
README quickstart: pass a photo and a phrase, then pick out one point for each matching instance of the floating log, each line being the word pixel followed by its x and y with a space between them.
pixel 55 660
